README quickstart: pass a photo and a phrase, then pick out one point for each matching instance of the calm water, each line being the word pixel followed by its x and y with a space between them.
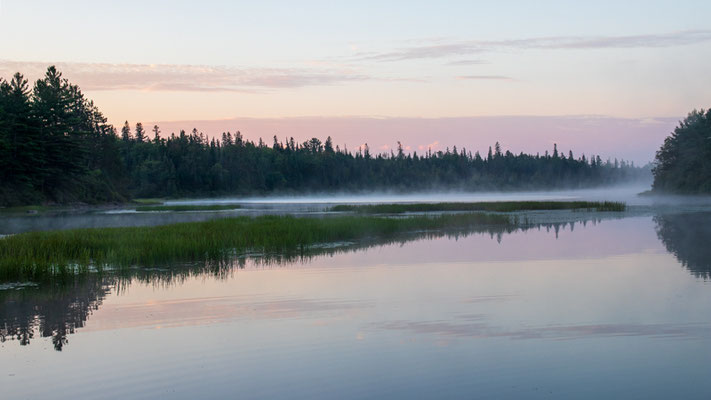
pixel 315 206
pixel 606 309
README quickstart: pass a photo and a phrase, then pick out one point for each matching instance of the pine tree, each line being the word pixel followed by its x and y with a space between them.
pixel 126 132
pixel 140 133
pixel 58 108
pixel 156 134
pixel 22 159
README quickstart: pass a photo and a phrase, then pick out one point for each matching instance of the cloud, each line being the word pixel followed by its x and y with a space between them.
pixel 486 77
pixel 432 146
pixel 166 77
pixel 467 62
pixel 463 48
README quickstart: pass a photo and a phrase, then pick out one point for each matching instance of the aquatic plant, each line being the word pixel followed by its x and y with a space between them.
pixel 35 255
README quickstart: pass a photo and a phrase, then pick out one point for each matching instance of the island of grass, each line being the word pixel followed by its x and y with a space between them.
pixel 189 207
pixel 29 209
pixel 148 201
pixel 494 206
pixel 38 255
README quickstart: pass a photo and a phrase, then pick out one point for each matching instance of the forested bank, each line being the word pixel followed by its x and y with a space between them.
pixel 56 146
pixel 683 163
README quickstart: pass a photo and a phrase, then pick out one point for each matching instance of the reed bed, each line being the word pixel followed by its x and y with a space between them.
pixel 34 255
pixel 498 206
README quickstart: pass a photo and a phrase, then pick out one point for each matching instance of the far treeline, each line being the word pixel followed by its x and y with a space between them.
pixel 57 147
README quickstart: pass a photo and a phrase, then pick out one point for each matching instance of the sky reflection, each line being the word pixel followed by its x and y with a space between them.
pixel 463 314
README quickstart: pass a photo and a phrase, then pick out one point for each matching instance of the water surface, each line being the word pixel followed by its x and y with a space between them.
pixel 609 308
pixel 318 205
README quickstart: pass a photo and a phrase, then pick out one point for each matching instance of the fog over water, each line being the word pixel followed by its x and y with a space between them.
pixel 316 206
pixel 613 193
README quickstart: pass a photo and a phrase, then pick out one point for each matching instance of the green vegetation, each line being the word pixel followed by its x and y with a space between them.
pixel 57 147
pixel 23 209
pixel 149 202
pixel 35 255
pixel 504 206
pixel 683 163
pixel 59 304
pixel 189 207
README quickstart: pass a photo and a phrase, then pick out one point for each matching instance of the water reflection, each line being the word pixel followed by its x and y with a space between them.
pixel 483 329
pixel 688 237
pixel 52 310
pixel 60 307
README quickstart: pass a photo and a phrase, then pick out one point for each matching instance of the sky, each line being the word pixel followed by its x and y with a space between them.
pixel 605 77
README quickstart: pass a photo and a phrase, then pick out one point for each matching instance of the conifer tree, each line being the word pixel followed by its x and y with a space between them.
pixel 156 134
pixel 140 133
pixel 126 132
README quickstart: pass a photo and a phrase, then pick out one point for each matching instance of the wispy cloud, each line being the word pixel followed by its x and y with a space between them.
pixel 486 77
pixel 166 77
pixel 469 47
pixel 467 62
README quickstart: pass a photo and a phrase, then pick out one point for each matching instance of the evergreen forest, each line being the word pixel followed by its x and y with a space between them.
pixel 683 163
pixel 56 147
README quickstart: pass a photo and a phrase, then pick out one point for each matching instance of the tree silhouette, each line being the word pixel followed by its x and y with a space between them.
pixel 56 146
pixel 683 163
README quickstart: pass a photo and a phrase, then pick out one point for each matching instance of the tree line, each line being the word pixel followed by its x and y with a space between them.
pixel 56 146
pixel 683 163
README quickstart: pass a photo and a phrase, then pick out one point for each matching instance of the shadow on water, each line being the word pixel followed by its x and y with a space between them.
pixel 688 238
pixel 58 307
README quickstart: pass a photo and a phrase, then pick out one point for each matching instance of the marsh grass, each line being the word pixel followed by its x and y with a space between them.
pixel 189 207
pixel 24 209
pixel 148 202
pixel 38 255
pixel 502 206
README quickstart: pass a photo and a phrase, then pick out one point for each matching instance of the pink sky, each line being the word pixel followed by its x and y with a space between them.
pixel 466 74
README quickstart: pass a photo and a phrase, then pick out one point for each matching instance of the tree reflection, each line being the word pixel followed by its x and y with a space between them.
pixel 58 308
pixel 688 237
pixel 53 310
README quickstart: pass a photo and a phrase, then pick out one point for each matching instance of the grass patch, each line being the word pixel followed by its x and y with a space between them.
pixel 148 202
pixel 211 207
pixel 32 209
pixel 38 255
pixel 494 206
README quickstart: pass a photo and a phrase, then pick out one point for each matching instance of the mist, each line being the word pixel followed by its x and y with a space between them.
pixel 623 192
pixel 317 205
